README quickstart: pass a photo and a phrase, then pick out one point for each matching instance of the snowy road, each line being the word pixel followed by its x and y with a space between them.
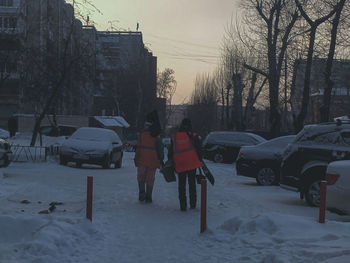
pixel 246 222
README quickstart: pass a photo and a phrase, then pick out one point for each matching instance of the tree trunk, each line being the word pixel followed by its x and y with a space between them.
pixel 325 107
pixel 250 102
pixel 299 122
pixel 275 115
pixel 228 123
pixel 222 124
pixel 237 101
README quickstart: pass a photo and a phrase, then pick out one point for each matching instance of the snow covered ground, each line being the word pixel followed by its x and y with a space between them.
pixel 246 222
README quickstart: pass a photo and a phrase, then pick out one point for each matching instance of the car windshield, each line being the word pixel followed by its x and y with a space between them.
pixel 95 134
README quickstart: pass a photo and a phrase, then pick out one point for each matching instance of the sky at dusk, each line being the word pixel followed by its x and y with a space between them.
pixel 184 35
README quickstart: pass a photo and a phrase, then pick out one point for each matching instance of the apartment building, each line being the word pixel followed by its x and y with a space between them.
pixel 11 27
pixel 46 51
pixel 42 49
pixel 126 76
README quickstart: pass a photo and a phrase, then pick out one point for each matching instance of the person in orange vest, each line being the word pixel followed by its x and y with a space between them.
pixel 149 156
pixel 185 151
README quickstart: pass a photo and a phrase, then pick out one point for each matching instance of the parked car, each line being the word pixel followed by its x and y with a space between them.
pixel 338 188
pixel 223 146
pixel 305 160
pixel 93 146
pixel 5 153
pixel 4 134
pixel 263 161
pixel 56 131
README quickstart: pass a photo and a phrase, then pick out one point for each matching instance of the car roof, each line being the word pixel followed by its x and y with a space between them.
pixel 258 137
pixel 325 127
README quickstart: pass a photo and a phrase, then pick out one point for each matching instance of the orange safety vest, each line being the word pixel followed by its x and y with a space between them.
pixel 146 151
pixel 185 156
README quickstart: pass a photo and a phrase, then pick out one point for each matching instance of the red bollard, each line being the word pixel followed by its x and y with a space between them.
pixel 203 205
pixel 89 197
pixel 323 191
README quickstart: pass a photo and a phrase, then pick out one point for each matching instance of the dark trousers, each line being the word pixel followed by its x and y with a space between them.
pixel 191 175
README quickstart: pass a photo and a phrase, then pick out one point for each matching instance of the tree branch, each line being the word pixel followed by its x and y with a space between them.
pixel 259 71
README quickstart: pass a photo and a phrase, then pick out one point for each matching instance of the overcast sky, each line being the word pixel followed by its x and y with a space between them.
pixel 184 35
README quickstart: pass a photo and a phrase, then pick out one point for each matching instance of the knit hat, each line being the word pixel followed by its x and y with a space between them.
pixel 152 121
pixel 186 125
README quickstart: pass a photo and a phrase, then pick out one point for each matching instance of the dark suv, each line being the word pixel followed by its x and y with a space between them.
pixel 305 160
pixel 223 146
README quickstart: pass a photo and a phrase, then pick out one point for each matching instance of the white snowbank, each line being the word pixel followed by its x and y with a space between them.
pixel 246 223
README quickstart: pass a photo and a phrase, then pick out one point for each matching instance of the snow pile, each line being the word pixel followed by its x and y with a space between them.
pixel 246 222
pixel 284 238
pixel 32 239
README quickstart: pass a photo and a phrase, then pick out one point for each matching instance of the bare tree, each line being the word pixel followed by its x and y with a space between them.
pixel 278 17
pixel 314 24
pixel 325 107
pixel 49 69
pixel 202 109
pixel 166 87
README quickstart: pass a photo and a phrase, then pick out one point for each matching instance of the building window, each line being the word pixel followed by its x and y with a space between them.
pixel 6 2
pixel 8 67
pixel 8 22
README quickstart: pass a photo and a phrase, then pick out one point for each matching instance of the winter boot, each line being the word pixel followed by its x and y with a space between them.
pixel 149 190
pixel 142 192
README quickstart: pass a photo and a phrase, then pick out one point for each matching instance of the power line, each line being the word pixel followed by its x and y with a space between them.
pixel 183 42
pixel 191 58
pixel 189 55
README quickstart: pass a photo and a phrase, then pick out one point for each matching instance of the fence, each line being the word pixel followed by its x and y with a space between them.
pixel 22 153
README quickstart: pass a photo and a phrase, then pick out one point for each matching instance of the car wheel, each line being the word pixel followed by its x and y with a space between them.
pixel 266 176
pixel 218 157
pixel 312 193
pixel 107 162
pixel 63 161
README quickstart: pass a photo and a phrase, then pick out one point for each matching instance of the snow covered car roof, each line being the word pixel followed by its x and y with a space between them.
pixel 95 134
pixel 310 131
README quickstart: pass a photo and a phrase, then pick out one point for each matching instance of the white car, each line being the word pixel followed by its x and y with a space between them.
pixel 5 153
pixel 93 146
pixel 338 188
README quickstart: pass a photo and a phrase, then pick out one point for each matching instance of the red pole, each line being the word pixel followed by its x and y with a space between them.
pixel 322 201
pixel 203 205
pixel 89 197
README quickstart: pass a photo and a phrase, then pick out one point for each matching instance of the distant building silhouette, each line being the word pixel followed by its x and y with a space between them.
pixel 340 102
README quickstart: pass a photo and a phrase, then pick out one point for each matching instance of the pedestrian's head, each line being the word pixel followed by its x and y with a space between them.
pixel 150 119
pixel 152 122
pixel 186 125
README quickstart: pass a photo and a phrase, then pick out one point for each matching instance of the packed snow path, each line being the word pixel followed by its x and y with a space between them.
pixel 246 222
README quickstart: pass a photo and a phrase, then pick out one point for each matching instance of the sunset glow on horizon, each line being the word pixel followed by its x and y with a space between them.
pixel 184 35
